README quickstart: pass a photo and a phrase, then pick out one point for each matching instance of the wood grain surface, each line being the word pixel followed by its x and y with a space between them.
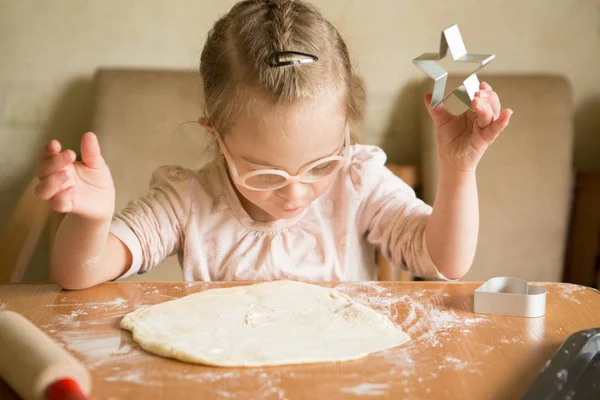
pixel 453 353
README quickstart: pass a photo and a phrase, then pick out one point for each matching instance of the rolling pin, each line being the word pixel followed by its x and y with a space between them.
pixel 35 366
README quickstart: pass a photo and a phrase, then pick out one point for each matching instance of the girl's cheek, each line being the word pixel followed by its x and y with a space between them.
pixel 321 186
pixel 263 196
pixel 259 197
pixel 254 195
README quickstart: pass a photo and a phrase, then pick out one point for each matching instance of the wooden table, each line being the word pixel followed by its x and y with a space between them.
pixel 453 352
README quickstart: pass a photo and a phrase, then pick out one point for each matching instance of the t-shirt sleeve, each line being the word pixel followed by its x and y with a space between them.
pixel 390 216
pixel 152 226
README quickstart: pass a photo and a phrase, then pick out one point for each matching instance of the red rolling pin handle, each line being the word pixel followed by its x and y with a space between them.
pixel 65 389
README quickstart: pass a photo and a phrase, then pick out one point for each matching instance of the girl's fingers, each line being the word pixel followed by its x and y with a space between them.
pixel 471 115
pixel 494 102
pixel 440 115
pixel 91 155
pixel 492 98
pixel 490 117
pixel 51 185
pixel 50 150
pixel 484 112
pixel 63 201
pixel 55 163
pixel 491 133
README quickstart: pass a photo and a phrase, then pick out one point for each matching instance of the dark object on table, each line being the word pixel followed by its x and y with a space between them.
pixel 573 371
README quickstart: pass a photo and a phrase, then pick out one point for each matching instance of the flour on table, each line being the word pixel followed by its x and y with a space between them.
pixel 273 323
pixel 367 389
pixel 569 290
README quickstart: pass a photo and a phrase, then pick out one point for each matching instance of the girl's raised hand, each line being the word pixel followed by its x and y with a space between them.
pixel 84 188
pixel 462 139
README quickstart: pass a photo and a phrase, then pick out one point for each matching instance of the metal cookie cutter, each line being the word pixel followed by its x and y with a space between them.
pixel 510 296
pixel 427 62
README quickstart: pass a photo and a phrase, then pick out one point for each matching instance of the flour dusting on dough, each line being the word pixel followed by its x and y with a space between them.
pixel 272 323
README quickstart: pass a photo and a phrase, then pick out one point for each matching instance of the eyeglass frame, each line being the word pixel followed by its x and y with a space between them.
pixel 299 177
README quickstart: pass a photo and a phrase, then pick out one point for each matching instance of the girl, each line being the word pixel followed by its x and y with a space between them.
pixel 289 197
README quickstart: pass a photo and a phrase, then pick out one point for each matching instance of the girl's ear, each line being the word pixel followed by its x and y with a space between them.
pixel 203 121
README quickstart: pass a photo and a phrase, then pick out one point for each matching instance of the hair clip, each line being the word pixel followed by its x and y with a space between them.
pixel 282 58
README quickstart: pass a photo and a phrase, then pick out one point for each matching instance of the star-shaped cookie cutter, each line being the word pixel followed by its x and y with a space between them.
pixel 452 42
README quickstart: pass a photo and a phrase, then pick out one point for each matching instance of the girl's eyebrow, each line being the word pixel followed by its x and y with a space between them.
pixel 265 164
pixel 262 164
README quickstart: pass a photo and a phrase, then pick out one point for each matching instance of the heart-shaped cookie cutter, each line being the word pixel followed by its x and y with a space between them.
pixel 510 296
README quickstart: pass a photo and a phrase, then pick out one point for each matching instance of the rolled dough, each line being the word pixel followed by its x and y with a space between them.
pixel 273 323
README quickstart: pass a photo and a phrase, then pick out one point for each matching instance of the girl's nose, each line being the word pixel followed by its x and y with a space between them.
pixel 294 191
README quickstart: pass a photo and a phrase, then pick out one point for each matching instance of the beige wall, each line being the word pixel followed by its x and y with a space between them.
pixel 50 49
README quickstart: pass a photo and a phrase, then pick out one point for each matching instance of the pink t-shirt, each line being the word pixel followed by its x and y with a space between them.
pixel 198 215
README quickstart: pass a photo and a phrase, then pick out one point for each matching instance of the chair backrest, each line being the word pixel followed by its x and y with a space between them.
pixel 20 235
pixel 385 270
pixel 524 180
pixel 137 118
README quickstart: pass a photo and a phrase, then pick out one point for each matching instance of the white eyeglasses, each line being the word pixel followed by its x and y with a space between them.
pixel 273 179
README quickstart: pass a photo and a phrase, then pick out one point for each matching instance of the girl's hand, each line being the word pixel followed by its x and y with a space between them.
pixel 84 188
pixel 462 139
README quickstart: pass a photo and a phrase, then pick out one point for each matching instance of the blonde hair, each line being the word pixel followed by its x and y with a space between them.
pixel 235 59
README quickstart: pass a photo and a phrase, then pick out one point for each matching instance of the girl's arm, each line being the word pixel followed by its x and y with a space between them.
pixel 452 229
pixel 453 226
pixel 86 254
